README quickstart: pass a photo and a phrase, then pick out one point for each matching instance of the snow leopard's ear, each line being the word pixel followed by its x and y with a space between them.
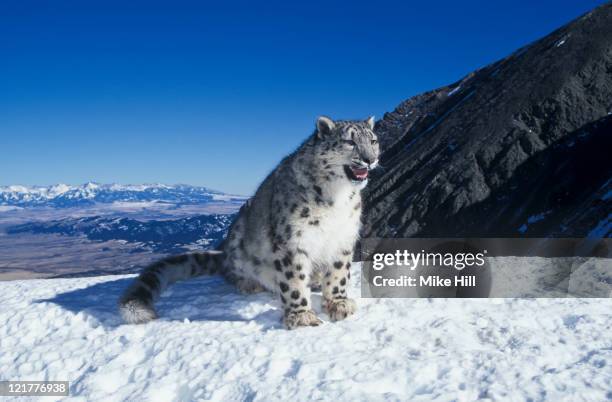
pixel 370 122
pixel 325 126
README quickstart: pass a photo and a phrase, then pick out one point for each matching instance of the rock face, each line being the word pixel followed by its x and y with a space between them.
pixel 522 147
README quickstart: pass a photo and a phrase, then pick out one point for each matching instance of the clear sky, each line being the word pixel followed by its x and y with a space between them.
pixel 215 94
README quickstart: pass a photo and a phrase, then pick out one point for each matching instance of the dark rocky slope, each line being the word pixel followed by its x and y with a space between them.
pixel 521 147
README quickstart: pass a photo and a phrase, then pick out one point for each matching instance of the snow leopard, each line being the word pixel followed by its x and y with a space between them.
pixel 299 228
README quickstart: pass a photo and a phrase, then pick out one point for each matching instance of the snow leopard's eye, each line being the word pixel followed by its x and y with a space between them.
pixel 374 142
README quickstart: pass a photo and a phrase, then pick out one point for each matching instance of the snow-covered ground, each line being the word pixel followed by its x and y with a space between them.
pixel 215 344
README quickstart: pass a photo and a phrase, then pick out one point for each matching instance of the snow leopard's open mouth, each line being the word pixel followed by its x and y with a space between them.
pixel 356 172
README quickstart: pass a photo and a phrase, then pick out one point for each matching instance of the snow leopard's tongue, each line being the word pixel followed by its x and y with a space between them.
pixel 360 173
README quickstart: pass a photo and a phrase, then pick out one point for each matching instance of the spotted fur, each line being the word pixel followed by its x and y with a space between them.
pixel 298 231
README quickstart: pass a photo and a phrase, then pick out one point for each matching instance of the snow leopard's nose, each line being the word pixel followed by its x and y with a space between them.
pixel 364 161
pixel 371 162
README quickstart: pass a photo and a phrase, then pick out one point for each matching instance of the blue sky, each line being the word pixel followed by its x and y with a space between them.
pixel 216 94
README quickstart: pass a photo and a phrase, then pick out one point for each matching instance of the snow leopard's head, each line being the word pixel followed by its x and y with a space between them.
pixel 349 146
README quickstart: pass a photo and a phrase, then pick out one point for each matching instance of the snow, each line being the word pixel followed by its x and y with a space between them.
pixel 229 197
pixel 7 208
pixel 15 188
pixel 455 90
pixel 138 187
pixel 215 344
pixel 138 205
pixel 89 187
pixel 64 196
pixel 562 41
pixel 58 189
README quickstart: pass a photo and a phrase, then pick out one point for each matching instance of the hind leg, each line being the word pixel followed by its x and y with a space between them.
pixel 248 286
pixel 243 284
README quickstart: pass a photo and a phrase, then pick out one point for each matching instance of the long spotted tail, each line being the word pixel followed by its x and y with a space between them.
pixel 137 303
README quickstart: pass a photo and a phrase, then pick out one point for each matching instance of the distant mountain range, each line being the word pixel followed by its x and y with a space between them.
pixel 163 236
pixel 521 147
pixel 65 196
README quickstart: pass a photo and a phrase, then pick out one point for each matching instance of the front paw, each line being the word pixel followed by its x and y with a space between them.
pixel 339 309
pixel 308 318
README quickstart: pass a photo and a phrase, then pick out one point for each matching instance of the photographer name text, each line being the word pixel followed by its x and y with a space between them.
pixel 425 281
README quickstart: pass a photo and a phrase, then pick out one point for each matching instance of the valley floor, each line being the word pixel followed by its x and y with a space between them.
pixel 215 344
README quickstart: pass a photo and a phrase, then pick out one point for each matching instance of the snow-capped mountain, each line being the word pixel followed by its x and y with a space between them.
pixel 62 195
